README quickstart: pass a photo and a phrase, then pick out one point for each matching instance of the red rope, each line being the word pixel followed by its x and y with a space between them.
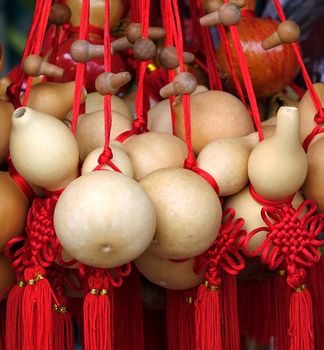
pixel 319 117
pixel 80 67
pixel 230 60
pixel 215 82
pixel 40 34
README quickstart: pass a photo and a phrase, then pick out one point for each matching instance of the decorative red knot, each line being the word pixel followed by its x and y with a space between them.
pixel 105 156
pixel 319 116
pixel 224 252
pixel 140 126
pixel 291 236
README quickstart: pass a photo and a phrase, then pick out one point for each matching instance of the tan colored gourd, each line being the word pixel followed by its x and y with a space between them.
pixel 120 159
pixel 226 160
pixel 214 115
pixel 159 116
pixel 7 274
pixel 307 112
pixel 6 110
pixel 278 166
pixel 247 208
pixel 97 12
pixel 153 150
pixel 90 133
pixel 55 99
pixel 104 219
pixel 13 209
pixel 188 212
pixel 43 150
pixel 168 274
pixel 314 186
pixel 95 102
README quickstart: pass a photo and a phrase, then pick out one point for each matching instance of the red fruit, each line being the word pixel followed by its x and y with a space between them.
pixel 270 70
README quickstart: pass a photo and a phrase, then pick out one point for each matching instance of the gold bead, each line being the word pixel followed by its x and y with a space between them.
pixel 206 283
pixel 39 277
pixel 189 300
pixel 55 307
pixel 31 282
pixel 213 288
pixel 151 67
pixel 21 284
pixel 94 291
pixel 103 292
pixel 281 272
pixel 301 288
pixel 63 309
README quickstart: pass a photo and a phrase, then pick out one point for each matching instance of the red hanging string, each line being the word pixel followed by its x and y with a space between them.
pixel 319 117
pixel 13 91
pixel 40 34
pixel 140 123
pixel 80 67
pixel 215 82
pixel 230 60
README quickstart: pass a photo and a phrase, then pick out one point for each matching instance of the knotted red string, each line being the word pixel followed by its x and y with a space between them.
pixel 80 67
pixel 140 123
pixel 268 202
pixel 223 254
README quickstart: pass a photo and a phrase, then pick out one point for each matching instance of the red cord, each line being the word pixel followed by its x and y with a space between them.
pixel 80 67
pixel 230 60
pixel 40 34
pixel 215 82
pixel 319 118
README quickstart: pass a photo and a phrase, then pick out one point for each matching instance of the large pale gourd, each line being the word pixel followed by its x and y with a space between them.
pixel 247 208
pixel 14 207
pixel 43 149
pixel 6 110
pixel 214 115
pixel 166 273
pixel 120 159
pixel 314 185
pixel 188 212
pixel 90 133
pixel 226 161
pixel 7 273
pixel 154 150
pixel 104 219
pixel 55 99
pixel 307 111
pixel 278 165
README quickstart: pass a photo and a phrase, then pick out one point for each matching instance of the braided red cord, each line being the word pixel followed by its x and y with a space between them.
pixel 80 67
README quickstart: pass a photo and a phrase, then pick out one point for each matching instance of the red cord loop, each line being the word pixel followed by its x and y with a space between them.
pixel 13 92
pixel 268 202
pixel 319 116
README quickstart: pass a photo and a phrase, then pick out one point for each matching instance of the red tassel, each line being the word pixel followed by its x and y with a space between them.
pixel 301 320
pixel 63 329
pixel 36 312
pixel 180 319
pixel 230 329
pixel 2 324
pixel 282 294
pixel 208 318
pixel 14 317
pixel 97 315
pixel 316 287
pixel 128 314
